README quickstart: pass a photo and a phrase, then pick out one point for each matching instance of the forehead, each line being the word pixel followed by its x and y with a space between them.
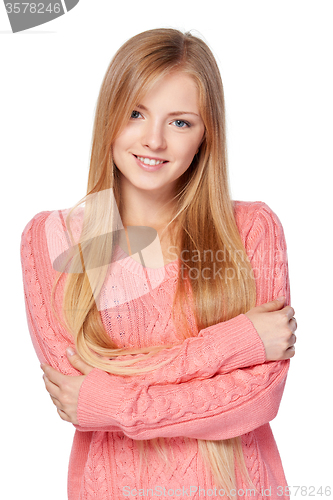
pixel 177 90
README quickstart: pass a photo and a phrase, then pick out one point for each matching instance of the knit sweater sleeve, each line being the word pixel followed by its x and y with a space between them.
pixel 234 344
pixel 49 337
pixel 221 406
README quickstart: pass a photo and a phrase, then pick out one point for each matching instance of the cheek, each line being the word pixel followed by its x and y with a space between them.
pixel 188 151
pixel 124 140
pixel 118 148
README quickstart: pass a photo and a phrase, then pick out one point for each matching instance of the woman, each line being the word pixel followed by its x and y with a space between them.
pixel 182 341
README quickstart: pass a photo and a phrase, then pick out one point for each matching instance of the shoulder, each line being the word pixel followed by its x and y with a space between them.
pixel 256 223
pixel 45 237
pixel 36 222
pixel 33 233
pixel 51 224
pixel 248 211
pixel 37 227
pixel 254 213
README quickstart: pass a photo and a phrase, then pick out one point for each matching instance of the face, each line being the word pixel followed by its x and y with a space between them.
pixel 161 138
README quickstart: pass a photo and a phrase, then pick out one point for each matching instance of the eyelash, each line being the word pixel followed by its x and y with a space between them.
pixel 182 121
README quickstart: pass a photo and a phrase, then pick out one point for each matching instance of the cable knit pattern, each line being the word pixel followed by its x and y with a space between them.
pixel 215 385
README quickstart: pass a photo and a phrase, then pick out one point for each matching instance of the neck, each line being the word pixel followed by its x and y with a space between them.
pixel 146 208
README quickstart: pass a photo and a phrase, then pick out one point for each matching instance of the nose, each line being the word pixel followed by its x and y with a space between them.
pixel 153 136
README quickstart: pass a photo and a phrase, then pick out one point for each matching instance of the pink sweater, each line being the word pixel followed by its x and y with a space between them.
pixel 215 385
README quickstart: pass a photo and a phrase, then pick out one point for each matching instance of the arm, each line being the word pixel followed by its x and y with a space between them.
pixel 219 407
pixel 266 248
pixel 50 343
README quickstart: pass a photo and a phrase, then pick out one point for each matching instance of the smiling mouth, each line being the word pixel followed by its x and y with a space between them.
pixel 150 161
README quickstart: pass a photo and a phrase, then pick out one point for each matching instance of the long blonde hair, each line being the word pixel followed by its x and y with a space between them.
pixel 203 212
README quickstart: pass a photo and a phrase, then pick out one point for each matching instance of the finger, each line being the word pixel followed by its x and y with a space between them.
pixel 293 324
pixel 288 311
pixel 292 340
pixel 53 375
pixel 63 415
pixel 56 402
pixel 60 411
pixel 273 305
pixel 78 363
pixel 52 389
pixel 290 352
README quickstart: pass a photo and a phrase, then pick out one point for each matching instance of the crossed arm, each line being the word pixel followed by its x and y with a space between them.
pixel 213 401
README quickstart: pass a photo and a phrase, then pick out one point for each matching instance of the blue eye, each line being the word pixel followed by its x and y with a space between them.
pixel 135 114
pixel 181 124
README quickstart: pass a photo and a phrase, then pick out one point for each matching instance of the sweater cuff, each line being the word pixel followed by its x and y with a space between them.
pixel 100 399
pixel 242 346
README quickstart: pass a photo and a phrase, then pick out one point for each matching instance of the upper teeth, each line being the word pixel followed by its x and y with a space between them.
pixel 148 161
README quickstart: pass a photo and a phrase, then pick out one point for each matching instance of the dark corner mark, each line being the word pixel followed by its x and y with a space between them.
pixel 25 15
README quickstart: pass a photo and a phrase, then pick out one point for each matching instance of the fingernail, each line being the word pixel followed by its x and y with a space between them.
pixel 70 351
pixel 281 298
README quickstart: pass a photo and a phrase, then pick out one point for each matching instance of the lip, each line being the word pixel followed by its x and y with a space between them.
pixel 151 157
pixel 150 168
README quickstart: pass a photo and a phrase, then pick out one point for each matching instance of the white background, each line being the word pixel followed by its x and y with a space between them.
pixel 276 65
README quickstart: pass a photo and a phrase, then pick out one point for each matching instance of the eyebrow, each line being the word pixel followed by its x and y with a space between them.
pixel 173 113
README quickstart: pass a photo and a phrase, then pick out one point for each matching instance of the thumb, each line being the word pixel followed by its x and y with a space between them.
pixel 78 362
pixel 273 305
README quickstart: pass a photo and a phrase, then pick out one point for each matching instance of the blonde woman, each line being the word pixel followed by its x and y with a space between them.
pixel 158 307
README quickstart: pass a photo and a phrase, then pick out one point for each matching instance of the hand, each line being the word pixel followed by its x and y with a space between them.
pixel 275 325
pixel 64 389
